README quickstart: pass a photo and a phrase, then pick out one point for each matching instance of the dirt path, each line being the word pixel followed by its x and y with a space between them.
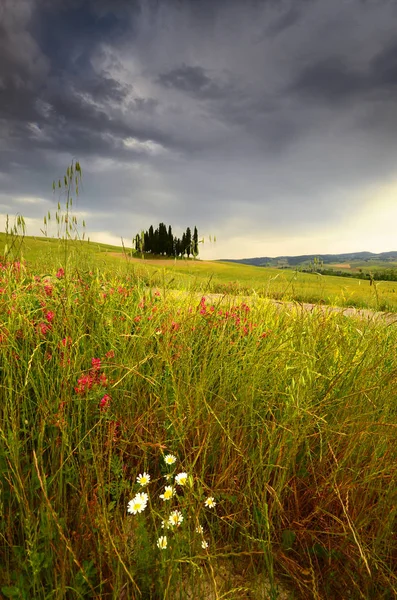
pixel 362 313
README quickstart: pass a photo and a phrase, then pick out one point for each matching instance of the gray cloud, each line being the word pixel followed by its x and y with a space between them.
pixel 384 67
pixel 195 81
pixel 330 80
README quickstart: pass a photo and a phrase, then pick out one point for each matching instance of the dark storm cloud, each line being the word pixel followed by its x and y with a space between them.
pixel 330 80
pixel 195 81
pixel 49 80
pixel 384 68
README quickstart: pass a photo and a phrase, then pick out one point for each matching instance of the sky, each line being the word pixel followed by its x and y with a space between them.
pixel 271 125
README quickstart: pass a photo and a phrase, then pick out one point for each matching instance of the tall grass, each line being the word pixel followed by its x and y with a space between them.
pixel 287 419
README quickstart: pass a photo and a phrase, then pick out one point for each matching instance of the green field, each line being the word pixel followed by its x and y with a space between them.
pixel 218 277
pixel 282 424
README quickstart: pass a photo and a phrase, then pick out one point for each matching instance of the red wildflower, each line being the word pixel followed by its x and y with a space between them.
pixel 48 289
pixel 84 384
pixel 44 328
pixel 105 402
pixel 96 364
pixel 50 316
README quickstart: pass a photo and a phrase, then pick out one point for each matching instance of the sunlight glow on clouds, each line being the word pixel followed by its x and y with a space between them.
pixel 147 146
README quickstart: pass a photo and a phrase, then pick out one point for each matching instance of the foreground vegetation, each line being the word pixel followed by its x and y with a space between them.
pixel 163 446
pixel 282 425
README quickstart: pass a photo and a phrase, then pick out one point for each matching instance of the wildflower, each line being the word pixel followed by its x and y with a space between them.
pixel 210 502
pixel 169 459
pixel 204 544
pixel 181 478
pixel 199 529
pixel 49 316
pixel 138 503
pixel 60 273
pixel 168 493
pixel 84 384
pixel 110 354
pixel 48 289
pixel 162 542
pixel 44 328
pixel 168 476
pixel 96 364
pixel 104 402
pixel 175 518
pixel 143 479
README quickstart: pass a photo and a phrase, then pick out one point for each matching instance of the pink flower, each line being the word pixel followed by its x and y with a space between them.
pixel 84 384
pixel 105 402
pixel 50 316
pixel 60 273
pixel 44 328
pixel 96 364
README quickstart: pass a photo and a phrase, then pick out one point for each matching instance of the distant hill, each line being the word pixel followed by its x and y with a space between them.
pixel 305 259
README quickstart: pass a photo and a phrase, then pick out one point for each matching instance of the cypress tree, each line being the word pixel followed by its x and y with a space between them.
pixel 170 242
pixel 188 241
pixel 195 242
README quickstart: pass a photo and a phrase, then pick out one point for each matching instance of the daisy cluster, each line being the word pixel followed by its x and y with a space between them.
pixel 174 518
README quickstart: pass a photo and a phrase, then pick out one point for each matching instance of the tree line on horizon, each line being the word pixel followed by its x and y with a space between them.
pixel 162 241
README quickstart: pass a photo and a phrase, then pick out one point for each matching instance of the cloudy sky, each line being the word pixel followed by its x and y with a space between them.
pixel 270 124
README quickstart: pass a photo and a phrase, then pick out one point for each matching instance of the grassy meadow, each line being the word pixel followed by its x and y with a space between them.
pixel 231 279
pixel 163 447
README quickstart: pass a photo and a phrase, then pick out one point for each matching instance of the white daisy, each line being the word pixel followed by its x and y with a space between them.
pixel 143 479
pixel 181 478
pixel 162 542
pixel 169 459
pixel 168 493
pixel 204 544
pixel 199 529
pixel 210 502
pixel 137 504
pixel 175 518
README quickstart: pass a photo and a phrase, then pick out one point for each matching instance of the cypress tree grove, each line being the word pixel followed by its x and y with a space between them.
pixel 162 241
